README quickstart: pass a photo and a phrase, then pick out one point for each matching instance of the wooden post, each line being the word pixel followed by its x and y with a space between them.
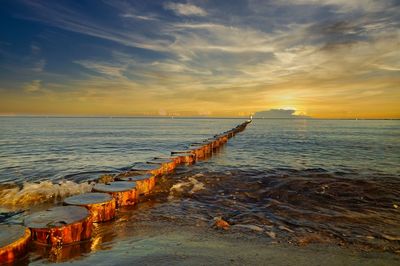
pixel 208 147
pixel 124 193
pixel 167 165
pixel 222 138
pixel 175 159
pixel 199 151
pixel 186 156
pixel 145 168
pixel 144 183
pixel 60 225
pixel 100 205
pixel 215 143
pixel 230 133
pixel 204 146
pixel 14 240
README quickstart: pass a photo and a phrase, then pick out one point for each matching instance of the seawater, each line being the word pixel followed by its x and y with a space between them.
pixel 75 149
pixel 300 181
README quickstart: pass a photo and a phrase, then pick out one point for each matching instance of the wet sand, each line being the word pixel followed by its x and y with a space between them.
pixel 163 243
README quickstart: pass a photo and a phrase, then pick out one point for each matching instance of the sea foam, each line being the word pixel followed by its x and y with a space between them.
pixel 36 193
pixel 191 185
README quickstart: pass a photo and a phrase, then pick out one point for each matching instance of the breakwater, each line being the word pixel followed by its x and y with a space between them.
pixel 62 225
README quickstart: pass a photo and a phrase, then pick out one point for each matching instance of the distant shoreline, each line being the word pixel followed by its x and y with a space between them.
pixel 187 117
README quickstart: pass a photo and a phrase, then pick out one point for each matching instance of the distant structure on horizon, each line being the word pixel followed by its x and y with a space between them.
pixel 280 113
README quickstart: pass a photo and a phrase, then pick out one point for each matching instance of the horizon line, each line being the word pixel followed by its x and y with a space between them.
pixel 188 117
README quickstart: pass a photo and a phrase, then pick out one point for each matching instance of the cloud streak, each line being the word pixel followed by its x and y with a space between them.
pixel 279 113
pixel 33 86
pixel 185 9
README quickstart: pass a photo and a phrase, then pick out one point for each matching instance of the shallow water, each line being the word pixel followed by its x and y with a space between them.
pixel 297 181
pixel 76 149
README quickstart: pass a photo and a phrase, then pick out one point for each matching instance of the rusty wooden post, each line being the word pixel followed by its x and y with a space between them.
pixel 210 146
pixel 186 156
pixel 144 183
pixel 230 133
pixel 124 193
pixel 14 240
pixel 175 159
pixel 145 168
pixel 222 138
pixel 202 145
pixel 199 151
pixel 167 165
pixel 60 225
pixel 100 205
pixel 215 143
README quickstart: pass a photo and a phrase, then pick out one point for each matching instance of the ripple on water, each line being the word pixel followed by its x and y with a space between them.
pixel 307 206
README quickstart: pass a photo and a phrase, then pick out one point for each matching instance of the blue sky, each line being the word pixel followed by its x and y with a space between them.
pixel 321 57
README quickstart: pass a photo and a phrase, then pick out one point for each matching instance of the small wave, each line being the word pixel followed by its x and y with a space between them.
pixel 296 205
pixel 36 193
pixel 87 175
pixel 190 186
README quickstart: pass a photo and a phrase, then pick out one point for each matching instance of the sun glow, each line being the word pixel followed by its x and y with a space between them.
pixel 169 61
pixel 288 108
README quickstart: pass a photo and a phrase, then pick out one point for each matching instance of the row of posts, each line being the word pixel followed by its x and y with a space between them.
pixel 72 222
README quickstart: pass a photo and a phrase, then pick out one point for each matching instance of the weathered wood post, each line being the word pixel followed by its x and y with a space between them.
pixel 175 159
pixel 208 147
pixel 100 205
pixel 14 240
pixel 198 151
pixel 145 168
pixel 167 165
pixel 186 156
pixel 222 139
pixel 60 225
pixel 203 146
pixel 144 183
pixel 215 143
pixel 124 193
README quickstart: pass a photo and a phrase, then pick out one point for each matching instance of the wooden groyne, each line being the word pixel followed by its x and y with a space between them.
pixel 100 205
pixel 59 226
pixel 144 183
pixel 124 193
pixel 64 225
pixel 14 241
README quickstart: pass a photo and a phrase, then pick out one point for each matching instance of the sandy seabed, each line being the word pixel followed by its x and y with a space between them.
pixel 163 243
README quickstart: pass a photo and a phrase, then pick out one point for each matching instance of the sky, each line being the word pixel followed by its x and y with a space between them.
pixel 320 58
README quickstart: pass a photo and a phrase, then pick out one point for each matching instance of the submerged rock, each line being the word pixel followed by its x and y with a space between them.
pixel 249 226
pixel 271 234
pixel 221 223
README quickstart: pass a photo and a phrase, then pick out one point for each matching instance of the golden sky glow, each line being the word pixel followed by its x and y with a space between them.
pixel 326 59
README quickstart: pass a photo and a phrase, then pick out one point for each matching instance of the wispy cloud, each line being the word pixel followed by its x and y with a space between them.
pixel 39 65
pixel 35 49
pixel 33 86
pixel 63 17
pixel 345 5
pixel 185 9
pixel 104 68
pixel 139 17
pixel 279 113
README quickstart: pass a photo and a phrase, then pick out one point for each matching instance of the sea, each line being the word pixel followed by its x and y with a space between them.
pixel 298 181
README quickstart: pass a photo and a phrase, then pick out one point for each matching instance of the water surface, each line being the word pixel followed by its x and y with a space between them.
pixel 296 181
